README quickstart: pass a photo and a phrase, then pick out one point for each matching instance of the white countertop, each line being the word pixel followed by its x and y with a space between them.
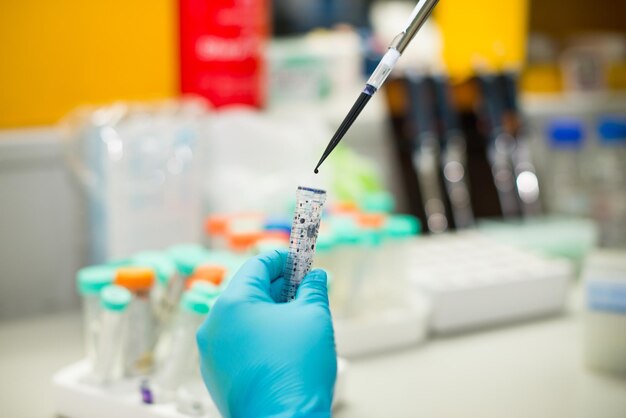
pixel 528 370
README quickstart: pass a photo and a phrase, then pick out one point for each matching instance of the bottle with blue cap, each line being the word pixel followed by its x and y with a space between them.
pixel 108 367
pixel 566 185
pixel 609 180
pixel 90 281
pixel 182 360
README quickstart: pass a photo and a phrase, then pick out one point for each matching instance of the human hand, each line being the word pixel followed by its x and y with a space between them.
pixel 260 358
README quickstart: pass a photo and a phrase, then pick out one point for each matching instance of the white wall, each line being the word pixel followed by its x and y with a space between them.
pixel 41 225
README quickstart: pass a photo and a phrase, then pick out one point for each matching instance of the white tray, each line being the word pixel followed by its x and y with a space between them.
pixel 76 399
pixel 378 331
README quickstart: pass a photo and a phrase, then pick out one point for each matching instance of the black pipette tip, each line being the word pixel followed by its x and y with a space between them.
pixel 345 125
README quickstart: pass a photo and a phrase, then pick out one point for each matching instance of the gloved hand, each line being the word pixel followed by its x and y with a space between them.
pixel 260 358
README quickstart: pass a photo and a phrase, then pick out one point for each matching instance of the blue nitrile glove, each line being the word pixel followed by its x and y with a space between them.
pixel 260 358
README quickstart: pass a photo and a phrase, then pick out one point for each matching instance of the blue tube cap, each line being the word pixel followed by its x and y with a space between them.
pixel 612 130
pixel 566 133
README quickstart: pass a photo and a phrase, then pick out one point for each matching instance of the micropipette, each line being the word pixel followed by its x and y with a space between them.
pixel 396 48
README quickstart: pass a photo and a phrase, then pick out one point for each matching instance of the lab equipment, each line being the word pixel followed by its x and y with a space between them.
pixel 109 361
pixel 526 181
pixel 140 167
pixel 426 154
pixel 267 372
pixel 453 156
pixel 566 183
pixel 182 357
pixel 207 290
pixel 186 258
pixel 555 236
pixel 90 281
pixel 609 181
pixel 167 278
pixel 500 145
pixel 605 315
pixel 488 283
pixel 304 230
pixel 141 337
pixel 421 12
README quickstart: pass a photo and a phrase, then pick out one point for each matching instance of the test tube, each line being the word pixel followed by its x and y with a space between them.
pixel 166 275
pixel 212 273
pixel 216 227
pixel 399 230
pixel 90 281
pixel 304 230
pixel 369 266
pixel 186 257
pixel 140 339
pixel 243 243
pixel 182 355
pixel 206 290
pixel 108 367
pixel 349 242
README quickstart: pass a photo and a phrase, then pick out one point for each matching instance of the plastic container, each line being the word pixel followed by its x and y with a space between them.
pixel 609 182
pixel 186 257
pixel 206 290
pixel 90 281
pixel 108 366
pixel 349 245
pixel 243 243
pixel 566 185
pixel 211 273
pixel 399 232
pixel 605 316
pixel 166 276
pixel 216 227
pixel 182 358
pixel 141 337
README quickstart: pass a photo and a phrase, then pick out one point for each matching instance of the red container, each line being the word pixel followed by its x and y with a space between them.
pixel 222 50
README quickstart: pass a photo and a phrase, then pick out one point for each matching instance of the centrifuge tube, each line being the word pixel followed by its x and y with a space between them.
pixel 304 229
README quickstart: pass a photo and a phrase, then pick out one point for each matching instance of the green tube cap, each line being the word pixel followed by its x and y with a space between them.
pixel 115 298
pixel 377 202
pixel 206 289
pixel 187 257
pixel 160 262
pixel 91 280
pixel 195 303
pixel 402 226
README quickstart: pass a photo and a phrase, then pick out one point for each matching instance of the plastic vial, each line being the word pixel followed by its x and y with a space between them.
pixel 182 357
pixel 141 337
pixel 90 281
pixel 365 288
pixel 186 257
pixel 350 242
pixel 207 290
pixel 302 240
pixel 605 316
pixel 566 185
pixel 609 186
pixel 114 301
pixel 400 231
pixel 166 273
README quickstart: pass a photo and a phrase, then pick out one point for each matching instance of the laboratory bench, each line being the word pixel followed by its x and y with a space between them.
pixel 530 370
